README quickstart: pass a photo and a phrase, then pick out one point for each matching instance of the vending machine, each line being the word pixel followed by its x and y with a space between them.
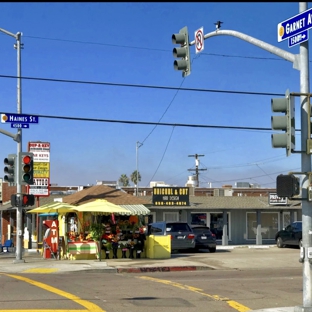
pixel 50 239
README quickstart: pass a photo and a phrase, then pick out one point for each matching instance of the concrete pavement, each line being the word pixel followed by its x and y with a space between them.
pixel 34 263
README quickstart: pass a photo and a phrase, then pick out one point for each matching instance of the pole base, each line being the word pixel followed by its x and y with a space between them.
pixel 19 261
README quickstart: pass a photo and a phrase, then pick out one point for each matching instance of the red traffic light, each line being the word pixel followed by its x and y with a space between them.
pixel 26 160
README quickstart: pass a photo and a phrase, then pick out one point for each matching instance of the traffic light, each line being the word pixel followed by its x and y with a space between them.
pixel 287 185
pixel 9 169
pixel 28 200
pixel 183 52
pixel 24 199
pixel 285 122
pixel 26 168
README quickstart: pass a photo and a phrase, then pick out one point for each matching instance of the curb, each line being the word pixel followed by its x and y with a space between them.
pixel 163 269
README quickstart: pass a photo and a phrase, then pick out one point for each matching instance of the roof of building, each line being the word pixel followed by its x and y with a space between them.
pixel 111 194
pixel 228 202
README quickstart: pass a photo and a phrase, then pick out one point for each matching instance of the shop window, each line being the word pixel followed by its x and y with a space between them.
pixel 171 216
pixel 269 225
pixel 216 224
pixel 199 218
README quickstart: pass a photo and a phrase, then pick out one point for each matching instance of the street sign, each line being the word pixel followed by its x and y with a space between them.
pixel 199 40
pixel 299 38
pixel 19 125
pixel 294 25
pixel 19 118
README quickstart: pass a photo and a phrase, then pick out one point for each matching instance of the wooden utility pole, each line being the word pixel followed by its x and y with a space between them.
pixel 196 169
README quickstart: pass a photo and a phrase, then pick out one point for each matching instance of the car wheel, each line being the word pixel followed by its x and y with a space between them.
pixel 213 249
pixel 279 243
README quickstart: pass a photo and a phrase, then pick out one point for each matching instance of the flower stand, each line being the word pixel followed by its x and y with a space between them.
pixel 107 254
pixel 138 254
pixel 124 253
pixel 115 253
pixel 131 252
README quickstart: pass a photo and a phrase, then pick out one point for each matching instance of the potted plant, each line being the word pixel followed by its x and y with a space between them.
pixel 96 232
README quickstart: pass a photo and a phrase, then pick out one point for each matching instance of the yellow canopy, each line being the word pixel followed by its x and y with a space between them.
pixel 55 207
pixel 101 206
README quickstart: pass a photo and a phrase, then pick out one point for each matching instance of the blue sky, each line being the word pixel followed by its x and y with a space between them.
pixel 130 43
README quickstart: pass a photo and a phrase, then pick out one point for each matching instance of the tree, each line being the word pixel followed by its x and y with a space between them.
pixel 135 177
pixel 124 180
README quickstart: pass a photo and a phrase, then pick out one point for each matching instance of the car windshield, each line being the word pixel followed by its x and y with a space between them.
pixel 201 229
pixel 176 227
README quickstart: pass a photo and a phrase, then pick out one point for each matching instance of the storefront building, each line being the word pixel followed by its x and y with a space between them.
pixel 235 220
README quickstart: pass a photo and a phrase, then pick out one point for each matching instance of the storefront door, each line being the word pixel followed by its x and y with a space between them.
pixel 215 222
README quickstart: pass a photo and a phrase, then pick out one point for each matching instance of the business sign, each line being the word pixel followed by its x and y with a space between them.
pixel 294 25
pixel 299 38
pixel 276 200
pixel 171 196
pixel 41 152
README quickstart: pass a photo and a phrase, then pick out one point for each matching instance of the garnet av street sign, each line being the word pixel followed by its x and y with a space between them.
pixel 299 38
pixel 294 25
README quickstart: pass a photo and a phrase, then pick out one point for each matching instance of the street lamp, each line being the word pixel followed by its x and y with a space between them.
pixel 19 237
pixel 138 145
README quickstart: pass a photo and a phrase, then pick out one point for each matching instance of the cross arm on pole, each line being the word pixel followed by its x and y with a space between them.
pixel 293 58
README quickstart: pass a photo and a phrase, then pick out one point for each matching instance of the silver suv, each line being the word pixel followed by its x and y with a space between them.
pixel 182 236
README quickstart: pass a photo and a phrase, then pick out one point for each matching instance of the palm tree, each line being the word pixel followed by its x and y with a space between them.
pixel 124 180
pixel 135 177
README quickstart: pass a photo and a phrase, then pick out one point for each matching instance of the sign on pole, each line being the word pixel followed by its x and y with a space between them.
pixel 41 151
pixel 294 25
pixel 299 38
pixel 199 40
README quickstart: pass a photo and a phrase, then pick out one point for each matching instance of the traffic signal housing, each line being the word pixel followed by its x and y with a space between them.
pixel 10 168
pixel 28 200
pixel 284 122
pixel 25 200
pixel 26 168
pixel 287 185
pixel 183 52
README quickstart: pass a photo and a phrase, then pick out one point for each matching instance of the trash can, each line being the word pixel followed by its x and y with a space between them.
pixel 158 246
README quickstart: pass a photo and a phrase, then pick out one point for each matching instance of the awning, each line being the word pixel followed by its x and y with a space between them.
pixel 136 209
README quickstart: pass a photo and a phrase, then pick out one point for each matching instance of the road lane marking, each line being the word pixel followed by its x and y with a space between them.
pixel 41 270
pixel 233 304
pixel 88 305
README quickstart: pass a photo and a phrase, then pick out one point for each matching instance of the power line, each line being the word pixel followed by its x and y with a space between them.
pixel 150 49
pixel 142 86
pixel 145 122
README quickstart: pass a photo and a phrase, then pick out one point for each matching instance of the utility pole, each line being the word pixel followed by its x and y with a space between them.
pixel 300 62
pixel 196 169
pixel 19 212
pixel 138 145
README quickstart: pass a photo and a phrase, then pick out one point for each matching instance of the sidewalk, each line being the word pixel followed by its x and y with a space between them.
pixel 32 262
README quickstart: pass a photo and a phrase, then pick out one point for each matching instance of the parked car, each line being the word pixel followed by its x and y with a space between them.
pixel 204 238
pixel 182 236
pixel 291 235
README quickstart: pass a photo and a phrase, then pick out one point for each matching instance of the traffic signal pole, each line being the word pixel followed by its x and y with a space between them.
pixel 19 212
pixel 301 63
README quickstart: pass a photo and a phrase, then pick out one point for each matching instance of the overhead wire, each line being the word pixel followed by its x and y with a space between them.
pixel 147 86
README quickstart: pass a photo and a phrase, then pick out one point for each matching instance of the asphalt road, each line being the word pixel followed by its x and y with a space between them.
pixel 264 278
